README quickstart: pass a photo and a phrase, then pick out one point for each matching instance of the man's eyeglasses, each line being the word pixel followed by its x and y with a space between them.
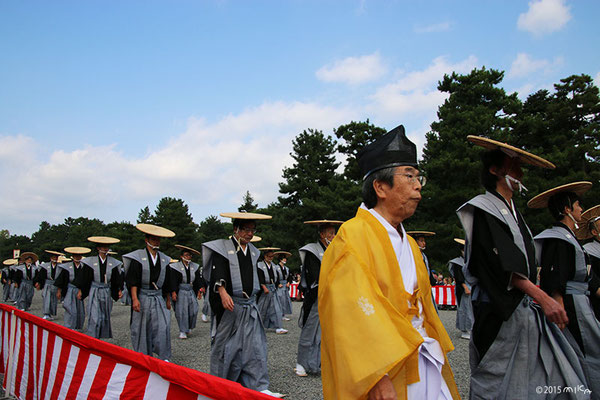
pixel 248 230
pixel 414 178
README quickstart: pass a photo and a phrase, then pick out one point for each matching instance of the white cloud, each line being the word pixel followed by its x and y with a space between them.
pixel 434 28
pixel 525 65
pixel 416 91
pixel 208 165
pixel 353 70
pixel 544 16
pixel 597 79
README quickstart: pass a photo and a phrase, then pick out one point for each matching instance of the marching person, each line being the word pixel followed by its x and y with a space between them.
pixel 268 300
pixel 311 255
pixel 590 228
pixel 44 281
pixel 382 337
pixel 434 278
pixel 239 346
pixel 285 279
pixel 565 273
pixel 100 281
pixel 517 326
pixel 462 290
pixel 23 280
pixel 74 316
pixel 148 279
pixel 187 289
pixel 6 278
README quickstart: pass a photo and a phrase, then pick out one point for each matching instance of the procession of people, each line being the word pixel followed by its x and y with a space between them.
pixel 529 305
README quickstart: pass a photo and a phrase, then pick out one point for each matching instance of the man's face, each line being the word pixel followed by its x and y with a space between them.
pixel 245 232
pixel 77 257
pixel 421 242
pixel 28 261
pixel 103 250
pixel 510 166
pixel 576 211
pixel 187 256
pixel 327 234
pixel 268 256
pixel 54 259
pixel 153 241
pixel 403 198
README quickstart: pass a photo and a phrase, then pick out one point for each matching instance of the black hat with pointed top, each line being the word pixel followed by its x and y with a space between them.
pixel 393 149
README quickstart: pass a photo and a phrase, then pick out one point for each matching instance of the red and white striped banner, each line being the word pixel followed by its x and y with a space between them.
pixel 43 360
pixel 293 290
pixel 444 295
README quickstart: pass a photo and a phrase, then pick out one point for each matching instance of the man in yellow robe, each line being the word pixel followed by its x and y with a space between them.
pixel 381 335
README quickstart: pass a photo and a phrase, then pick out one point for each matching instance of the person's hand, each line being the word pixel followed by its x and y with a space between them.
pixel 37 286
pixel 467 290
pixel 226 299
pixel 135 305
pixel 168 303
pixel 174 296
pixel 554 311
pixel 17 285
pixel 120 294
pixel 79 295
pixel 280 285
pixel 265 289
pixel 383 390
pixel 58 294
pixel 199 295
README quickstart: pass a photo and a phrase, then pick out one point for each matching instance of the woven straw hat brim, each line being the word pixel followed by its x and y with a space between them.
pixel 10 261
pixel 324 222
pixel 55 253
pixel 77 250
pixel 460 241
pixel 154 230
pixel 267 249
pixel 255 239
pixel 29 254
pixel 420 233
pixel 185 248
pixel 512 151
pixel 103 239
pixel 285 253
pixel 541 200
pixel 590 214
pixel 244 215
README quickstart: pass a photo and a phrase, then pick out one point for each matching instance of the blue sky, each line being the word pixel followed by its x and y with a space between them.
pixel 107 106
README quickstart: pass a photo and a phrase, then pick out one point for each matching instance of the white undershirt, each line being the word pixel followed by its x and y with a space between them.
pixel 431 385
pixel 154 258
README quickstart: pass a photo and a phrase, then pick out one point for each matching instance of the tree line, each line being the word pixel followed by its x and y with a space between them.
pixel 561 125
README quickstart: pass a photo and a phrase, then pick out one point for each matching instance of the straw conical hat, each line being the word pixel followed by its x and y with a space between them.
pixel 154 230
pixel 420 233
pixel 185 248
pixel 282 252
pixel 245 215
pixel 590 215
pixel 77 250
pixel 10 261
pixel 512 151
pixel 460 241
pixel 268 249
pixel 103 239
pixel 324 222
pixel 255 239
pixel 28 254
pixel 54 253
pixel 541 200
pixel 62 259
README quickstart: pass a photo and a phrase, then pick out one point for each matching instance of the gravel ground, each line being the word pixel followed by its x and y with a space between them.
pixel 194 352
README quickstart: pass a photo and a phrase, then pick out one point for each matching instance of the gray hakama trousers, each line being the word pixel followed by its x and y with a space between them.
pixel 186 308
pixel 464 314
pixel 309 345
pixel 99 308
pixel 239 350
pixel 151 327
pixel 284 298
pixel 74 309
pixel 15 293
pixel 589 327
pixel 270 309
pixel 206 306
pixel 126 298
pixel 50 301
pixel 26 295
pixel 529 353
pixel 6 291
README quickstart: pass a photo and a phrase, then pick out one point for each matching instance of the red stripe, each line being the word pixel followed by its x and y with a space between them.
pixel 80 366
pixel 47 363
pixel 60 370
pixel 40 338
pixel 30 373
pixel 176 392
pixel 135 384
pixel 9 322
pixel 2 342
pixel 105 369
pixel 19 371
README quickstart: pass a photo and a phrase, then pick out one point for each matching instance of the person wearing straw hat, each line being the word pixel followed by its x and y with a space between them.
pixel 565 272
pixel 187 288
pixel 6 278
pixel 239 343
pixel 268 301
pixel 101 282
pixel 311 256
pixel 284 284
pixel 382 337
pixel 74 316
pixel 420 238
pixel 44 281
pixel 464 311
pixel 23 279
pixel 517 325
pixel 590 229
pixel 148 279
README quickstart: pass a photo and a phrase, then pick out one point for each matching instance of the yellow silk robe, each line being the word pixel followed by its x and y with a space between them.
pixel 366 329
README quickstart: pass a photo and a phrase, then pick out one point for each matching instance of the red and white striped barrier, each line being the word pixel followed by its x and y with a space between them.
pixel 444 295
pixel 43 360
pixel 293 289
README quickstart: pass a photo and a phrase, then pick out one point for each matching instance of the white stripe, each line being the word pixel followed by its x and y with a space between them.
pixel 26 350
pixel 88 376
pixel 5 338
pixel 200 397
pixel 16 355
pixel 42 364
pixel 36 364
pixel 69 370
pixel 116 383
pixel 53 366
pixel 156 388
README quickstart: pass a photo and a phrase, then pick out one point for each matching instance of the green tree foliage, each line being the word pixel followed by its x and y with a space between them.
pixel 173 214
pixel 144 216
pixel 355 136
pixel 248 204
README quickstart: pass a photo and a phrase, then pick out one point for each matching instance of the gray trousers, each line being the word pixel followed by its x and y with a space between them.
pixel 186 308
pixel 151 327
pixel 99 309
pixel 309 345
pixel 50 302
pixel 74 309
pixel 270 309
